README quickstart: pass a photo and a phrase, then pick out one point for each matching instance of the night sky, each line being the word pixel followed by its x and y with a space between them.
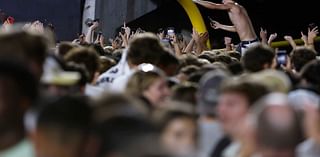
pixel 286 17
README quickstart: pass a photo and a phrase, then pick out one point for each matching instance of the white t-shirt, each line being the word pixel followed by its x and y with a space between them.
pixel 93 92
pixel 106 79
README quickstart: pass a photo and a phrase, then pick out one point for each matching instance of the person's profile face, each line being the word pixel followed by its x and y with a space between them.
pixel 158 91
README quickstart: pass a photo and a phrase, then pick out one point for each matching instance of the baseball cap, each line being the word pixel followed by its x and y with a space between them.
pixel 207 96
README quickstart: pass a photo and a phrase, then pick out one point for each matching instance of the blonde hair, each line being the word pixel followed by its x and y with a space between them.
pixel 141 81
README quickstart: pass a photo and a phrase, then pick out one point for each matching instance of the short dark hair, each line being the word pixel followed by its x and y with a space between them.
pixel 256 57
pixel 127 136
pixel 225 59
pixel 251 90
pixel 301 56
pixel 168 63
pixel 67 116
pixel 86 56
pixel 310 73
pixel 25 82
pixel 185 93
pixel 64 48
pixel 24 45
pixel 144 48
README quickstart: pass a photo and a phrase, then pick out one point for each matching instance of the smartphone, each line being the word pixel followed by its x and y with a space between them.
pixel 170 31
pixel 282 57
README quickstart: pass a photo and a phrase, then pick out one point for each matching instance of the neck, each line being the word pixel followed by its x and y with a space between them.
pixel 10 138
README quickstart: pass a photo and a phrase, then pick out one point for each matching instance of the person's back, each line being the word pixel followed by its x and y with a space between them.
pixel 240 19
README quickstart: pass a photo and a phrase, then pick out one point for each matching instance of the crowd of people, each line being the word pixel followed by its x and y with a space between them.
pixel 160 94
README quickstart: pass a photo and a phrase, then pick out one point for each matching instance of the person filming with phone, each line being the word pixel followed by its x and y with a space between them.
pixel 240 20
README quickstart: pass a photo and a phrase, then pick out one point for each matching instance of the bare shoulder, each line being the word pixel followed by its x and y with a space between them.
pixel 236 7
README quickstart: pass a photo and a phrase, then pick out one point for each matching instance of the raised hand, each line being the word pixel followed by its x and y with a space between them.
pixel 272 37
pixel 101 40
pixel 204 37
pixel 161 35
pixel 263 35
pixel 288 38
pixel 215 25
pixel 304 38
pixel 195 35
pixel 228 43
pixel 94 25
pixel 227 40
pixel 312 34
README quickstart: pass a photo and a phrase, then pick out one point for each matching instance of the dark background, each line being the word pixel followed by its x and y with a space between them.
pixel 286 17
pixel 281 16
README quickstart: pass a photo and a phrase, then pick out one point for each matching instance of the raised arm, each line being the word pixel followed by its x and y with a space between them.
pixel 291 41
pixel 212 5
pixel 312 34
pixel 89 35
pixel 217 25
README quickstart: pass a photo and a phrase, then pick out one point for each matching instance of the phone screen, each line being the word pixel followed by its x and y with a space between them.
pixel 282 57
pixel 170 31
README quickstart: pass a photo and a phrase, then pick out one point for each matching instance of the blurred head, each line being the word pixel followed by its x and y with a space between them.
pixel 235 100
pixel 62 126
pixel 274 80
pixel 178 130
pixel 18 91
pixel 258 58
pixel 302 56
pixel 168 63
pixel 149 84
pixel 87 57
pixel 185 93
pixel 113 105
pixel 144 48
pixel 309 75
pixel 29 47
pixel 278 129
pixel 125 136
pixel 207 95
pixel 64 48
pixel 59 79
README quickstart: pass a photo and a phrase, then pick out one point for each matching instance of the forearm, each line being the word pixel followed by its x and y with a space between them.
pixel 212 5
pixel 228 28
pixel 125 42
pixel 310 43
pixel 264 40
pixel 200 48
pixel 88 38
pixel 177 50
pixel 292 44
pixel 189 47
pixel 269 42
